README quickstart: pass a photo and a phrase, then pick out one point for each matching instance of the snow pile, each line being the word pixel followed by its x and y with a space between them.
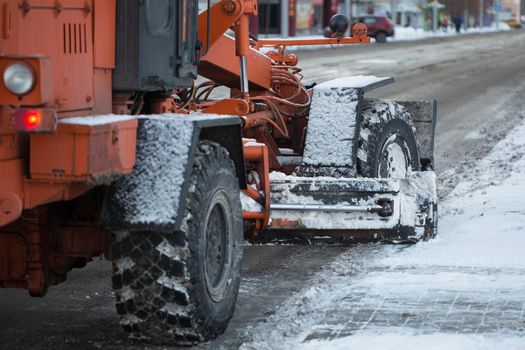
pixel 410 33
pixel 462 290
pixel 393 341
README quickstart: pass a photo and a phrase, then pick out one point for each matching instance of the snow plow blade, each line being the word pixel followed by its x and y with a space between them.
pixel 356 209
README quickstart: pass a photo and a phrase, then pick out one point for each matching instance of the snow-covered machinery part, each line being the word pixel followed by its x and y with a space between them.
pixel 150 197
pixel 356 209
pixel 366 171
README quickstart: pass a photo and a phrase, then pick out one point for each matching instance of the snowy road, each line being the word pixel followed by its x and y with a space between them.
pixel 464 290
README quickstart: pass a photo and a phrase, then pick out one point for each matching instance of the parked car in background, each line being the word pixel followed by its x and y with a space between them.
pixel 379 27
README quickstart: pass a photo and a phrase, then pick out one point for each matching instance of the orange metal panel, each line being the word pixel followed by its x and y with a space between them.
pixel 84 153
pixel 105 18
pixel 11 190
pixel 306 42
pixel 63 31
pixel 6 20
pixel 103 93
pixel 234 106
pixel 359 36
pixel 221 15
pixel 12 175
pixel 258 153
pixel 5 125
pixel 38 193
pixel 11 145
pixel 221 65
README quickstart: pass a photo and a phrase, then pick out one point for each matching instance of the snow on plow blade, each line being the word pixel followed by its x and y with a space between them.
pixel 354 209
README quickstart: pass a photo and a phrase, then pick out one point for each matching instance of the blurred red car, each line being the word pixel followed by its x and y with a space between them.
pixel 379 27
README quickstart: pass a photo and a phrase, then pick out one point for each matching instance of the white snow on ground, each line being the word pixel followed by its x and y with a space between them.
pixel 462 290
pixel 418 342
pixel 409 33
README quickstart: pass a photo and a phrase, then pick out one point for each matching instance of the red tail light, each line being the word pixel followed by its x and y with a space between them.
pixel 34 120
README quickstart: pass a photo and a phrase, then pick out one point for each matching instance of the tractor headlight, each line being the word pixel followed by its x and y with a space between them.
pixel 19 78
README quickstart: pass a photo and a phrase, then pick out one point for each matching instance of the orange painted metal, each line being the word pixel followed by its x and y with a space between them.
pixel 257 154
pixel 103 100
pixel 242 36
pixel 11 189
pixel 307 41
pixel 63 32
pixel 234 106
pixel 104 50
pixel 6 20
pixel 285 224
pixel 36 253
pixel 37 193
pixel 254 194
pixel 253 120
pixel 70 46
pixel 221 65
pixel 78 51
pixel 359 36
pixel 10 207
pixel 280 57
pixel 11 145
pixel 219 62
pixel 222 16
pixel 84 153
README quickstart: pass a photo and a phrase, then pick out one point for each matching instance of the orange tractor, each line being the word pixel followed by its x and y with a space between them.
pixel 110 144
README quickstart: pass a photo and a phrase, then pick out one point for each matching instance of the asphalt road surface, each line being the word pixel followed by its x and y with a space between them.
pixel 479 83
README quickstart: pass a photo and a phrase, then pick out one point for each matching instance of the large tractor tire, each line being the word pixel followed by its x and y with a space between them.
pixel 387 145
pixel 181 287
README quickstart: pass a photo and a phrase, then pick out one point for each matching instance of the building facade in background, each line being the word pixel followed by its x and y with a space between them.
pixel 408 13
pixel 294 17
pixel 510 10
pixel 310 17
